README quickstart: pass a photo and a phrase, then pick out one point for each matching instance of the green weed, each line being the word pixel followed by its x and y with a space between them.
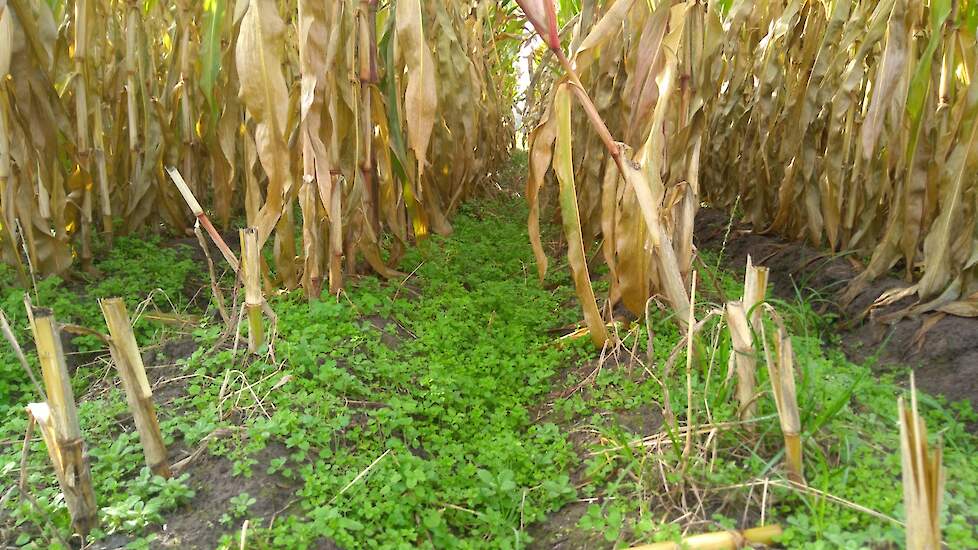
pixel 415 413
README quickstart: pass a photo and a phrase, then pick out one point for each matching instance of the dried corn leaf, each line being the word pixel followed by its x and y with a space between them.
pixel 258 55
pixel 563 166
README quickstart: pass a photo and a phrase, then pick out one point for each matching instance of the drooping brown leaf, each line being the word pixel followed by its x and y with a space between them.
pixel 421 97
pixel 263 92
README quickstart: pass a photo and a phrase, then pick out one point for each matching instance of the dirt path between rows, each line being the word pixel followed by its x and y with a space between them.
pixel 943 356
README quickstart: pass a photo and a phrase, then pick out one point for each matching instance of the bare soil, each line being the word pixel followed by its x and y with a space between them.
pixel 942 350
pixel 198 525
pixel 165 374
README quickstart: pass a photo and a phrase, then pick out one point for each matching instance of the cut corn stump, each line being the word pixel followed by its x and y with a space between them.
pixel 251 276
pixel 59 425
pixel 129 363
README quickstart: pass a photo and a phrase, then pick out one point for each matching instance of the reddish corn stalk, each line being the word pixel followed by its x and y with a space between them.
pixel 367 22
pixel 205 222
pixel 543 16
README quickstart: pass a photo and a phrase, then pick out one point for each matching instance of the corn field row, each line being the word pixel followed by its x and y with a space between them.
pixel 853 125
pixel 849 123
pixel 376 121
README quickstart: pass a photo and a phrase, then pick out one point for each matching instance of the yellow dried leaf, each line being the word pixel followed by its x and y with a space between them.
pixel 563 166
pixel 258 54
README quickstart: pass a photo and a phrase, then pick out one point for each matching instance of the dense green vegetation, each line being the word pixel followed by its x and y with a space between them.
pixel 420 385
pixel 439 412
pixel 138 270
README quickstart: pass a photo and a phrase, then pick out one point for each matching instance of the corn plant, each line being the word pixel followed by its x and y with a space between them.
pixel 852 125
pixel 357 123
pixel 639 70
pixel 848 123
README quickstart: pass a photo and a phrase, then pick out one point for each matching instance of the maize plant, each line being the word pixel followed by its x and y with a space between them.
pixel 848 123
pixel 359 125
pixel 362 125
pixel 852 124
pixel 628 162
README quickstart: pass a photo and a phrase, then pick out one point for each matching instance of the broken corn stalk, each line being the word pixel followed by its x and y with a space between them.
pixel 58 419
pixel 781 370
pixel 726 540
pixel 923 478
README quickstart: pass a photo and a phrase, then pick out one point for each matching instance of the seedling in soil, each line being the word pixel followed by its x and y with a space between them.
pixel 238 508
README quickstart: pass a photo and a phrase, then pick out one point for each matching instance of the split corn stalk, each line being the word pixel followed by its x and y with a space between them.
pixel 58 418
pixel 743 359
pixel 781 371
pixel 744 322
pixel 923 478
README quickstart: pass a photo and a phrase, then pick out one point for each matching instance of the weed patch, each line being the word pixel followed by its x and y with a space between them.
pixel 446 410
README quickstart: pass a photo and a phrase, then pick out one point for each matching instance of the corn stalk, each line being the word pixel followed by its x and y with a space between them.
pixel 853 125
pixel 639 195
pixel 923 477
pixel 849 124
pixel 239 99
